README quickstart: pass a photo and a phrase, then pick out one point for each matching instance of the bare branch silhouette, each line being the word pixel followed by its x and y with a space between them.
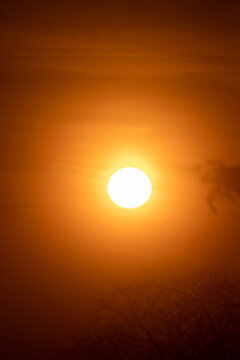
pixel 195 318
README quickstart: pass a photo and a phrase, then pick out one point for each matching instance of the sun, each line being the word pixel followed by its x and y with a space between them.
pixel 129 187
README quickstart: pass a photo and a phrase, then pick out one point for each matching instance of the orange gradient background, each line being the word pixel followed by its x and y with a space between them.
pixel 88 88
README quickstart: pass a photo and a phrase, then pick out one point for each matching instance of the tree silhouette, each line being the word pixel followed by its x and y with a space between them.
pixel 197 318
pixel 224 181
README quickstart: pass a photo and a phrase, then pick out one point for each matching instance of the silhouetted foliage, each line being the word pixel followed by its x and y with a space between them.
pixel 224 181
pixel 184 319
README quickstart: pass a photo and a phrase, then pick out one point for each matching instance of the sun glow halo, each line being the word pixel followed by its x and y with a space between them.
pixel 129 187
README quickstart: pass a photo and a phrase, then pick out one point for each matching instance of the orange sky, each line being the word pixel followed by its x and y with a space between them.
pixel 87 89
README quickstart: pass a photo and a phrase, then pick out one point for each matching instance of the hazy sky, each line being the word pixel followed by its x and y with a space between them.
pixel 89 87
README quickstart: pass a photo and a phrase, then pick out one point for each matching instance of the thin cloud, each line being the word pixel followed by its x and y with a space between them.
pixel 116 52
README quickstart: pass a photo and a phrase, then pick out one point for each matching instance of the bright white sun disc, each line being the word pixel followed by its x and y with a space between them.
pixel 129 187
